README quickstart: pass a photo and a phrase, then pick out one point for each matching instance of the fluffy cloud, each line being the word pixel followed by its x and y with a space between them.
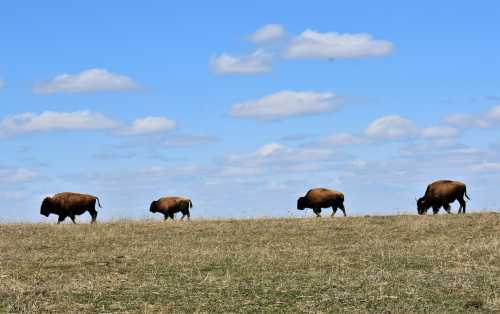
pixel 392 127
pixel 488 119
pixel 255 63
pixel 439 132
pixel 53 121
pixel 91 80
pixel 312 44
pixel 268 33
pixel 149 125
pixel 287 103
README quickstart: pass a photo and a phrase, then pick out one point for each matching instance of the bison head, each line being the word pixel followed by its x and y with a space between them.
pixel 301 203
pixel 422 206
pixel 46 207
pixel 152 207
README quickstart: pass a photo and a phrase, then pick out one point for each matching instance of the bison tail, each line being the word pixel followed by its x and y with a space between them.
pixel 465 193
pixel 98 202
pixel 190 204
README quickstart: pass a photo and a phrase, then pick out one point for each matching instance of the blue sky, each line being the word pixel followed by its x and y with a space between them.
pixel 245 106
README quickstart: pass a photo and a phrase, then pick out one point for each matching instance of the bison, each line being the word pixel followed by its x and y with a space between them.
pixel 168 206
pixel 69 204
pixel 322 198
pixel 440 194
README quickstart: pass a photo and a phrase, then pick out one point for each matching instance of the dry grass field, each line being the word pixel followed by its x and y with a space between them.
pixel 397 264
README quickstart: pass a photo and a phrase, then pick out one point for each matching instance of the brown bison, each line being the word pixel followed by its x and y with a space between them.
pixel 168 206
pixel 322 198
pixel 69 204
pixel 441 194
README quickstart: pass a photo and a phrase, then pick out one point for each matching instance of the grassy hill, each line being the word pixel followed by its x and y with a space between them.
pixel 397 264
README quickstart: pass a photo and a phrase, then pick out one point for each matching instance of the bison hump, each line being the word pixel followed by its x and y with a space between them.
pixel 321 194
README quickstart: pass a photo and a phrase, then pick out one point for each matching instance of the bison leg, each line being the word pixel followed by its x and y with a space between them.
pixel 73 219
pixel 60 219
pixel 334 211
pixel 317 211
pixel 447 208
pixel 435 210
pixel 342 208
pixel 462 205
pixel 93 214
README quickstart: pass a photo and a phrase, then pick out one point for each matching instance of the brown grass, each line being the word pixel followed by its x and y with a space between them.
pixel 399 264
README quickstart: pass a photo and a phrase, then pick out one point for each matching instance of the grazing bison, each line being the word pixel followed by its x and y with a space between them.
pixel 168 206
pixel 322 198
pixel 69 204
pixel 441 194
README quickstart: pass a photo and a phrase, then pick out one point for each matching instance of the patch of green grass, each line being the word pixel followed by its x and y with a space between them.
pixel 398 264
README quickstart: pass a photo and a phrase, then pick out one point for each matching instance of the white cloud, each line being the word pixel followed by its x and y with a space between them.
pixel 392 127
pixel 268 33
pixel 91 80
pixel 149 125
pixel 16 175
pixel 342 139
pixel 287 103
pixel 269 149
pixel 255 63
pixel 273 158
pixel 488 119
pixel 439 147
pixel 439 132
pixel 53 121
pixel 486 167
pixel 313 44
pixel 188 140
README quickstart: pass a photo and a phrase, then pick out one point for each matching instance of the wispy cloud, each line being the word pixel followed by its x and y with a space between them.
pixel 188 140
pixel 273 158
pixel 313 44
pixel 148 125
pixel 439 132
pixel 80 121
pixel 268 33
pixel 287 103
pixel 343 139
pixel 486 167
pixel 392 127
pixel 53 121
pixel 255 63
pixel 16 175
pixel 488 119
pixel 91 80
